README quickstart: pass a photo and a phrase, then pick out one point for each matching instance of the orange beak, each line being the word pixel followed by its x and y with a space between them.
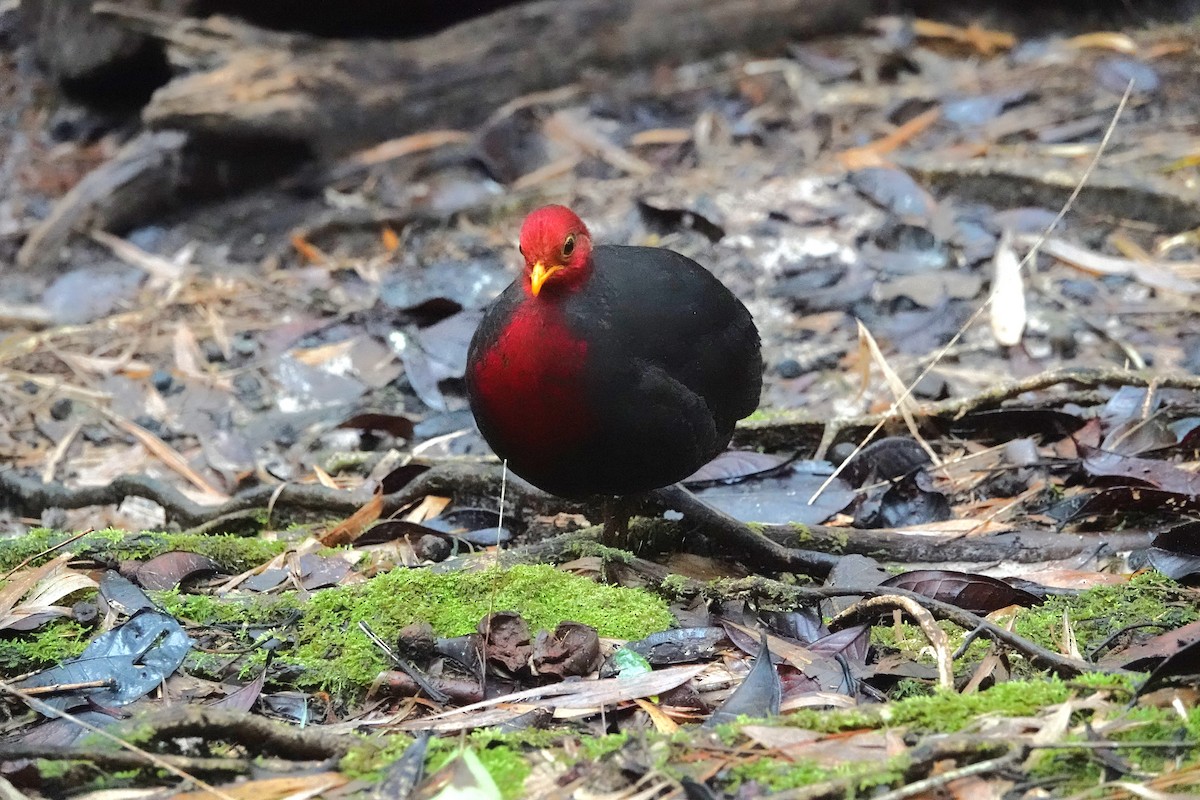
pixel 539 275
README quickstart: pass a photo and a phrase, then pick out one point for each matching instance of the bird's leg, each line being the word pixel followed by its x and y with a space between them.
pixel 616 512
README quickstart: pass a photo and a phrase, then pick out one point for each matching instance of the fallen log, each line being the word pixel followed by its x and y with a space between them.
pixel 337 96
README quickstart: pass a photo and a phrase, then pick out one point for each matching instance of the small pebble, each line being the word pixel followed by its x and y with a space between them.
pixel 245 345
pixel 789 368
pixel 61 408
pixel 152 425
pixel 161 380
pixel 432 548
pixel 212 351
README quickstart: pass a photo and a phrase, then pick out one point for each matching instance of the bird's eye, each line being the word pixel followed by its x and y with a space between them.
pixel 569 246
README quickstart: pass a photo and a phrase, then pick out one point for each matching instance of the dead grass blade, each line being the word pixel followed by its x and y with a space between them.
pixel 903 401
pixel 166 454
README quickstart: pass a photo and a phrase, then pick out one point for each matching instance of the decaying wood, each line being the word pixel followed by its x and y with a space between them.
pixel 140 179
pixel 1110 192
pixel 338 96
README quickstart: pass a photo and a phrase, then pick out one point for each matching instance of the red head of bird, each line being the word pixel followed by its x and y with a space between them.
pixel 557 249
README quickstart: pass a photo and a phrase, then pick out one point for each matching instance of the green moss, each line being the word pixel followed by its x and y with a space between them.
pixel 203 609
pixel 1075 769
pixel 777 774
pixel 1098 613
pixel 501 754
pixel 508 767
pixel 596 747
pixel 337 656
pixel 53 643
pixel 233 553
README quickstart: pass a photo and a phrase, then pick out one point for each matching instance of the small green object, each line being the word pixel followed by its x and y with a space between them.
pixel 629 663
pixel 470 781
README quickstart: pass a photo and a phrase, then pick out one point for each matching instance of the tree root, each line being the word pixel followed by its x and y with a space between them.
pixel 798 431
pixel 125 759
pixel 780 593
pixel 30 497
pixel 258 735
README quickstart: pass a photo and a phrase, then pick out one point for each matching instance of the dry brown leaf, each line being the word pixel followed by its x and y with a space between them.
pixel 159 268
pixel 353 526
pixel 390 239
pixel 566 127
pixel 324 478
pixel 585 696
pixel 322 355
pixel 309 252
pixel 430 506
pixel 1104 40
pixel 871 154
pixel 662 723
pixel 657 136
pixel 21 583
pixel 985 41
pixel 1174 276
pixel 294 788
pixel 408 145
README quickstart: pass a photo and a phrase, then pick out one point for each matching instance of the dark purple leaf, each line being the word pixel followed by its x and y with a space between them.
pixel 1123 499
pixel 1159 474
pixel 804 625
pixel 1003 424
pixel 394 424
pixel 122 594
pixel 908 501
pixel 1151 652
pixel 758 696
pixel 171 569
pixel 884 460
pixel 978 593
pixel 1184 663
pixel 243 698
pixel 851 643
pixel 400 477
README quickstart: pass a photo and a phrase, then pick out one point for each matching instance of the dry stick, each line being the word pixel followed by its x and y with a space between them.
pixel 1087 173
pixel 944 779
pixel 120 759
pixel 935 635
pixel 50 711
pixel 781 592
